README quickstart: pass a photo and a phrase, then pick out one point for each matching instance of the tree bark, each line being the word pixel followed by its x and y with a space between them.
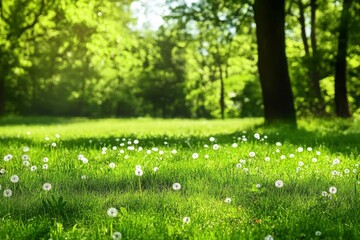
pixel 303 27
pixel 341 101
pixel 314 66
pixel 272 62
pixel 222 93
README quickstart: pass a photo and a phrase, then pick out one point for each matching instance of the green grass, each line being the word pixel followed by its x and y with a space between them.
pixel 76 208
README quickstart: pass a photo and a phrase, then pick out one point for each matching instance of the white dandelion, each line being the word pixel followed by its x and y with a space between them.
pixel 112 165
pixel 14 178
pixel 7 193
pixel 117 235
pixel 195 155
pixel 47 186
pixel 176 186
pixel 186 220
pixel 252 154
pixel 139 172
pixel 332 190
pixel 227 200
pixel 112 212
pixel 279 183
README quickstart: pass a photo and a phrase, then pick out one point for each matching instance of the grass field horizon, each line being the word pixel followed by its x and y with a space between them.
pixel 78 178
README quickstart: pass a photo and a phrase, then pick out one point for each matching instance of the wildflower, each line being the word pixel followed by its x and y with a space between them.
pixel 347 171
pixel 117 235
pixel 25 157
pixel 148 151
pixel 300 164
pixel 279 184
pixel 8 157
pixel 267 159
pixel 26 163
pixel 278 144
pixel 45 166
pixel 238 165
pixel 195 155
pixel 2 171
pixel 122 151
pixel 174 151
pixel 33 168
pixel 14 178
pixel 85 160
pixel 324 193
pixel 140 149
pixel 215 147
pixel 234 145
pixel 258 185
pixel 314 160
pixel 45 159
pixel 136 141
pixel 131 148
pixel 112 212
pixel 114 148
pixel 317 233
pixel 139 172
pixel 318 153
pixel 156 169
pixel 161 152
pixel 336 161
pixel 334 173
pixel 227 200
pixel 242 161
pixel 277 150
pixel 112 165
pixel 83 177
pixel 212 139
pixel 155 149
pixel 186 220
pixel 309 149
pixel 269 237
pixel 298 169
pixel 26 149
pixel 246 170
pixel 7 193
pixel 332 190
pixel 291 155
pixel 176 186
pixel 47 186
pixel 57 135
pixel 206 156
pixel 53 144
pixel 300 149
pixel 257 136
pixel 252 154
pixel 282 157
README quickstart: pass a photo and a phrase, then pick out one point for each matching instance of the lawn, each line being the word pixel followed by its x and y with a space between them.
pixel 75 178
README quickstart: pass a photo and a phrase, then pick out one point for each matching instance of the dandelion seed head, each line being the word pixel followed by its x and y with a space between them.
pixel 53 144
pixel 278 144
pixel 47 186
pixel 215 146
pixel 324 193
pixel 212 139
pixel 332 190
pixel 26 149
pixel 186 220
pixel 33 168
pixel 252 154
pixel 195 155
pixel 267 159
pixel 227 200
pixel 336 161
pixel 7 193
pixel 112 165
pixel 279 184
pixel 234 145
pixel 156 169
pixel 26 163
pixel 116 236
pixel 300 149
pixel 139 172
pixel 176 186
pixel 173 151
pixel 14 178
pixel 291 155
pixel 317 233
pixel 136 141
pixel 46 159
pixel 269 237
pixel 314 160
pixel 112 212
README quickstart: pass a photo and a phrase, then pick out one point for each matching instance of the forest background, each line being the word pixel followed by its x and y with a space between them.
pixel 186 59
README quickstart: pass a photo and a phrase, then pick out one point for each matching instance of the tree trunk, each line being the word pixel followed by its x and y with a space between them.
pixel 2 93
pixel 272 62
pixel 314 66
pixel 303 27
pixel 222 93
pixel 341 101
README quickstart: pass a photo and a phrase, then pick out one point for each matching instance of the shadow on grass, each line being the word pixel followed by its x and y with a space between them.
pixel 11 120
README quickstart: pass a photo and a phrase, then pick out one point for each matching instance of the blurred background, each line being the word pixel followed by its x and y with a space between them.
pixel 165 58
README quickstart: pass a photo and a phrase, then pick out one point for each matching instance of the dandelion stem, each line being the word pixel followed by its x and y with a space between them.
pixel 140 186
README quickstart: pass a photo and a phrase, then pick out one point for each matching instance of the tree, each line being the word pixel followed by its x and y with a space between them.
pixel 272 62
pixel 341 101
